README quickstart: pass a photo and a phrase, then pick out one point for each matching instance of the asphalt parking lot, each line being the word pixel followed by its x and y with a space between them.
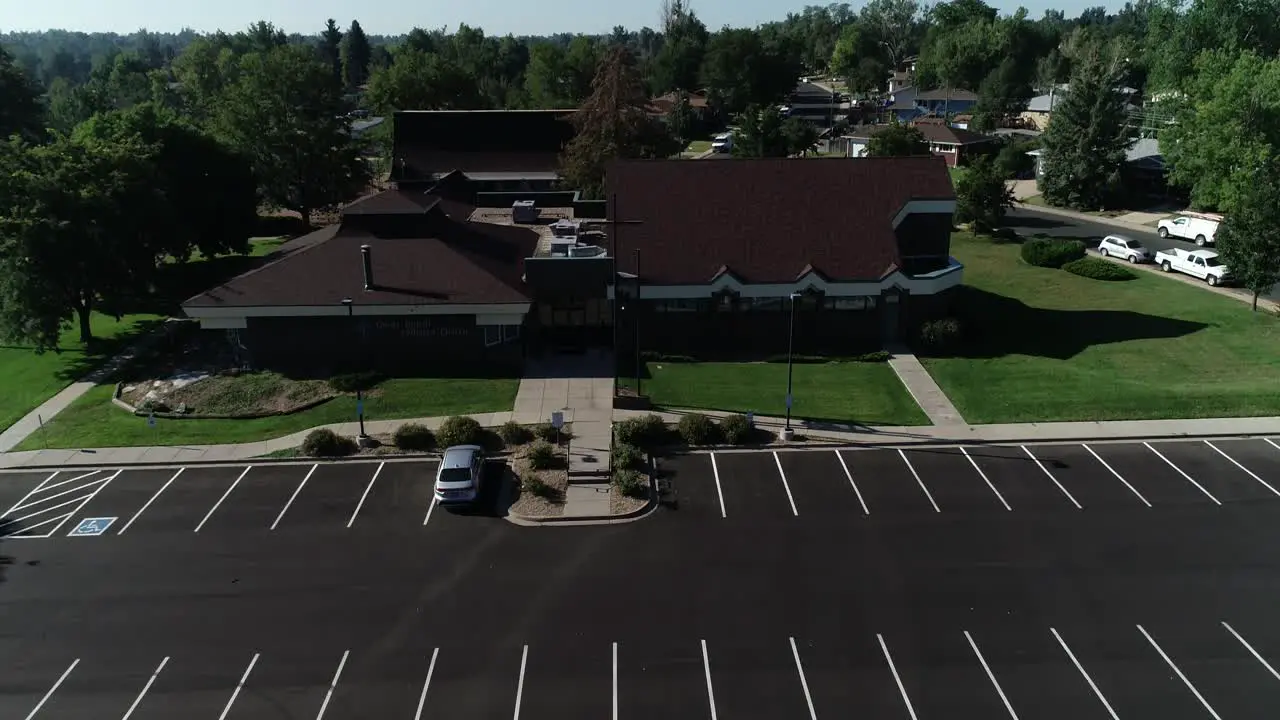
pixel 1061 581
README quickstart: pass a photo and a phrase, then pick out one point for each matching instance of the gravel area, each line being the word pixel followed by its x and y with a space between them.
pixel 620 504
pixel 548 504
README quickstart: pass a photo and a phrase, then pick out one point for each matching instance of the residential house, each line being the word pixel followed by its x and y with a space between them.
pixel 456 276
pixel 698 102
pixel 955 145
pixel 1040 108
pixel 909 103
pixel 1144 174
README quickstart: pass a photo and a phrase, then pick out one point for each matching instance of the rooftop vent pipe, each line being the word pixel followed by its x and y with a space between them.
pixel 368 266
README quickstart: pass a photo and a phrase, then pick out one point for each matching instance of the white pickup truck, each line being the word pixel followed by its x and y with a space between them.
pixel 1203 264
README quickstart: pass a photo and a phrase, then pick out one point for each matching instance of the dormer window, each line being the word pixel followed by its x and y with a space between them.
pixel 725 300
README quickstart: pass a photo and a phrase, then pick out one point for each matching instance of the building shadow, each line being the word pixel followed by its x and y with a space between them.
pixel 995 326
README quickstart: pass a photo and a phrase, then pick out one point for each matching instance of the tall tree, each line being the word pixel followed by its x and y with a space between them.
pixel 613 122
pixel 20 112
pixel 678 63
pixel 330 48
pixel 861 57
pixel 982 195
pixel 894 23
pixel 422 81
pixel 284 114
pixel 1248 241
pixel 263 36
pixel 1003 94
pixel 547 79
pixel 76 233
pixel 766 132
pixel 1231 120
pixel 1084 146
pixel 897 140
pixel 355 53
pixel 741 70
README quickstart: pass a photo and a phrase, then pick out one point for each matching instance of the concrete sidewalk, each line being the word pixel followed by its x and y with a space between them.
pixel 924 389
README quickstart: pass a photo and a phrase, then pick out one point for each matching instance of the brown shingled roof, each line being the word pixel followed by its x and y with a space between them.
pixel 456 262
pixel 933 130
pixel 767 220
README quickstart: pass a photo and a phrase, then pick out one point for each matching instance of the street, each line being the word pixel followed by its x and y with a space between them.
pixel 1066 581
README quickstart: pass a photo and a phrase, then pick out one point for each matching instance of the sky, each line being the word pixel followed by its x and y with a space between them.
pixel 396 17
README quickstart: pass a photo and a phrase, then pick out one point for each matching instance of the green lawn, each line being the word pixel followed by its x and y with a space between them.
pixel 956 174
pixel 28 379
pixel 94 421
pixel 852 392
pixel 1047 345
pixel 698 146
pixel 1039 201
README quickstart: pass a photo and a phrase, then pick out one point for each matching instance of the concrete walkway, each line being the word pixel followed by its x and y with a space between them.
pixel 924 389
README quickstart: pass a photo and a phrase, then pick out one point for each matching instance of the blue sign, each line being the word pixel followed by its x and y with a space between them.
pixel 788 401
pixel 751 418
pixel 360 407
pixel 89 527
pixel 151 420
pixel 557 419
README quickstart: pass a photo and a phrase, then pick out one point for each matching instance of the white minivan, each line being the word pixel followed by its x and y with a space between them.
pixel 1199 227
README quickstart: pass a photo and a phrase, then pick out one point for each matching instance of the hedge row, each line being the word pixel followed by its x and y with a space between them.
pixel 1051 252
pixel 1099 269
pixel 649 432
pixel 877 356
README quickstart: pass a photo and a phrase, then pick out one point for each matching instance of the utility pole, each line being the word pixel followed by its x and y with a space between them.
pixel 615 224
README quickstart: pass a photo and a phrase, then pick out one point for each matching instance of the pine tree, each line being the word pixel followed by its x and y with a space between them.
pixel 330 48
pixel 1085 143
pixel 355 56
pixel 613 122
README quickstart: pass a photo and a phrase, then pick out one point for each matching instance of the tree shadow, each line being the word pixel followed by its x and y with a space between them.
pixel 995 326
pixel 94 358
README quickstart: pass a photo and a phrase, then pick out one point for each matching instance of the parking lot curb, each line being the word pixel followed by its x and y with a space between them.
pixel 639 513
pixel 255 461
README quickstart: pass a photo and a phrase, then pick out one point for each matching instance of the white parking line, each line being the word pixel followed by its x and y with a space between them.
pixel 49 694
pixel 1253 652
pixel 715 472
pixel 849 475
pixel 916 475
pixel 985 478
pixel 1087 679
pixel 1184 679
pixel 224 497
pixel 422 699
pixel 365 494
pixel 1272 443
pixel 78 488
pixel 296 490
pixel 777 461
pixel 896 678
pixel 615 681
pixel 1247 470
pixel 804 684
pixel 15 521
pixel 234 693
pixel 1118 475
pixel 33 491
pixel 59 519
pixel 524 657
pixel 43 487
pixel 145 688
pixel 430 507
pixel 84 502
pixel 1184 475
pixel 153 499
pixel 711 693
pixel 1007 705
pixel 333 684
pixel 1045 470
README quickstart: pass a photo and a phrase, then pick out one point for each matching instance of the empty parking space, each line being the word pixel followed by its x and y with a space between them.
pixel 193 684
pixel 476 682
pixel 564 681
pixel 942 675
pixel 756 679
pixel 754 490
pixel 954 482
pixel 1087 478
pixel 48 507
pixel 1219 661
pixel 381 685
pixel 289 683
pixel 820 485
pixel 184 503
pixel 396 496
pixel 117 502
pixel 1036 675
pixel 1218 473
pixel 1024 481
pixel 98 688
pixel 257 500
pixel 665 677
pixel 15 486
pixel 1155 474
pixel 693 481
pixel 886 482
pixel 849 677
pixel 329 497
pixel 1261 455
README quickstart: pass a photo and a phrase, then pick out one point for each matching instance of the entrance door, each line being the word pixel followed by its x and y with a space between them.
pixel 891 327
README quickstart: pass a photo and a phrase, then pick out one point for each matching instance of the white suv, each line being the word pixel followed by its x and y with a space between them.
pixel 458 479
pixel 1122 247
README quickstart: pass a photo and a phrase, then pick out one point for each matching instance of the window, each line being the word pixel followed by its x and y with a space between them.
pixel 764 304
pixel 510 332
pixel 677 305
pixel 492 335
pixel 846 303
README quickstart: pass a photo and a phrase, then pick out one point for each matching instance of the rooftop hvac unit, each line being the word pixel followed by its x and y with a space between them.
pixel 581 250
pixel 561 247
pixel 524 211
pixel 564 229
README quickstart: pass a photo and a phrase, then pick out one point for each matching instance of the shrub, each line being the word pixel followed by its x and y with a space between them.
pixel 324 442
pixel 531 483
pixel 624 456
pixel 513 433
pixel 662 357
pixel 698 429
pixel 541 455
pixel 799 359
pixel 459 430
pixel 1004 235
pixel 351 382
pixel 629 482
pixel 940 335
pixel 412 436
pixel 736 429
pixel 1099 269
pixel 877 356
pixel 1051 252
pixel 548 432
pixel 647 432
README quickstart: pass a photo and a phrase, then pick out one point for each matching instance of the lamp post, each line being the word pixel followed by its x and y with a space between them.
pixel 350 305
pixel 791 339
pixel 635 319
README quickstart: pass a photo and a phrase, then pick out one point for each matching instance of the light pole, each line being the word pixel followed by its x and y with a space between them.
pixel 791 339
pixel 350 305
pixel 635 319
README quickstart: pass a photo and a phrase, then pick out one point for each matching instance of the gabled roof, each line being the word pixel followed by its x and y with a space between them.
pixel 933 129
pixel 767 220
pixel 452 262
pixel 957 94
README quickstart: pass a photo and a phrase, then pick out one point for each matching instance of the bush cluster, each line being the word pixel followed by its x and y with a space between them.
pixel 548 432
pixel 624 456
pixel 541 455
pixel 531 483
pixel 513 433
pixel 647 432
pixel 698 429
pixel 1099 269
pixel 324 442
pixel 412 436
pixel 629 482
pixel 351 382
pixel 939 336
pixel 459 430
pixel 736 429
pixel 663 357
pixel 1051 252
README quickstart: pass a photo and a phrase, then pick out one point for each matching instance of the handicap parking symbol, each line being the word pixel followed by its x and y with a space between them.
pixel 90 527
